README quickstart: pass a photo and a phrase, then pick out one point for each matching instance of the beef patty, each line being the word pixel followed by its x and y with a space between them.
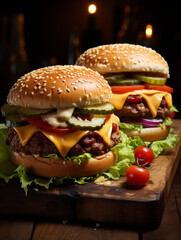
pixel 41 145
pixel 141 109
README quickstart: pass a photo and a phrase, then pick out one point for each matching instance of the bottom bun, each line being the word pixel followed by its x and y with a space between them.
pixel 47 167
pixel 150 134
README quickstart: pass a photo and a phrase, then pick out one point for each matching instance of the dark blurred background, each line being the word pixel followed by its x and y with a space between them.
pixel 34 34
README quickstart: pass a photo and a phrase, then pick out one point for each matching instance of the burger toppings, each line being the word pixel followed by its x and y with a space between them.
pixel 65 138
pixel 106 108
pixel 153 99
pixel 134 79
pixel 40 145
pixel 59 118
pixel 137 107
pixel 95 123
pixel 78 118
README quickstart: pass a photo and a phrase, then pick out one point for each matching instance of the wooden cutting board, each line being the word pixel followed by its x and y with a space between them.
pixel 116 204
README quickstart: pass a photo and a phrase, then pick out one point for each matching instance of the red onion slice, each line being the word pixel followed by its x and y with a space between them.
pixel 149 122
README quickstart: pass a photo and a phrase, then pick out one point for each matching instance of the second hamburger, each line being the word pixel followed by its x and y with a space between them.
pixel 137 76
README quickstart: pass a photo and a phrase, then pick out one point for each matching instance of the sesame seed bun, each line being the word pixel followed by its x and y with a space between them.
pixel 60 87
pixel 117 58
pixel 46 167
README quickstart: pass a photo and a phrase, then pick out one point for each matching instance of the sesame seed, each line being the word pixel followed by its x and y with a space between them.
pixel 59 90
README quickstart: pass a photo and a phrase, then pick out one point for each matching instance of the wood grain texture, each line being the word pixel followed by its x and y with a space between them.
pixel 15 229
pixel 170 227
pixel 52 231
pixel 177 191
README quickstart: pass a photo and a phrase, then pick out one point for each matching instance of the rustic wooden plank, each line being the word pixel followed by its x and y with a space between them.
pixel 51 231
pixel 177 190
pixel 170 227
pixel 119 203
pixel 15 229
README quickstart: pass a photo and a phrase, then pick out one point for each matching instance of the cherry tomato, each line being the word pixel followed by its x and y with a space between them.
pixel 38 122
pixel 172 115
pixel 137 176
pixel 143 155
pixel 163 88
pixel 125 89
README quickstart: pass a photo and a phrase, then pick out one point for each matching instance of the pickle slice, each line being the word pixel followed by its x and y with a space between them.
pixel 125 82
pixel 134 79
pixel 34 112
pixel 153 80
pixel 8 109
pixel 15 121
pixel 116 77
pixel 15 124
pixel 93 124
pixel 104 109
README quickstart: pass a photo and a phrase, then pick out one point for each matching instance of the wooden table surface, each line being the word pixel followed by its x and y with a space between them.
pixel 41 229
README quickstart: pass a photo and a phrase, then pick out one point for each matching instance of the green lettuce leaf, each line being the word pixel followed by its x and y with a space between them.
pixel 6 166
pixel 159 146
pixel 76 159
pixel 167 122
pixel 130 126
pixel 173 109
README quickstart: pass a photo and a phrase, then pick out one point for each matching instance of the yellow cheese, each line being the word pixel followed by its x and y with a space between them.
pixel 64 142
pixel 152 97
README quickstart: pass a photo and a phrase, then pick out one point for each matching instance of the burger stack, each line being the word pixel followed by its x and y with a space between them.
pixel 137 76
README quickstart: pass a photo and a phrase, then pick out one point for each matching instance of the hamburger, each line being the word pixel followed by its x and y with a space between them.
pixel 137 76
pixel 57 114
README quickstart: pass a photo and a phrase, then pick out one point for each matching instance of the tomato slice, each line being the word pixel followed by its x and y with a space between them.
pixel 125 89
pixel 163 88
pixel 172 115
pixel 38 122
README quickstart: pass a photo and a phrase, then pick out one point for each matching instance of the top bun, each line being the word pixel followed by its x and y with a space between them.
pixel 60 87
pixel 116 58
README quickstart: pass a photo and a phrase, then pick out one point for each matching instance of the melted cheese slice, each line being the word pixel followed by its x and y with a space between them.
pixel 152 97
pixel 64 142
